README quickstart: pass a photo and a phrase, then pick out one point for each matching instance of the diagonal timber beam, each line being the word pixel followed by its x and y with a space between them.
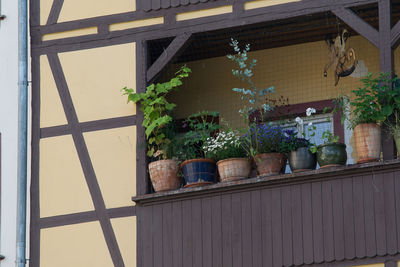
pixel 395 35
pixel 358 24
pixel 167 55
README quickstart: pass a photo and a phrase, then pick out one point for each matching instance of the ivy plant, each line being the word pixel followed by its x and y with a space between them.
pixel 156 110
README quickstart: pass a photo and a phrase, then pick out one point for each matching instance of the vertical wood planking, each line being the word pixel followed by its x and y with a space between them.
pixel 226 209
pixel 256 228
pixel 165 3
pixel 297 225
pixel 370 238
pixel 158 235
pixel 196 233
pixel 338 228
pixel 276 214
pixel 390 213
pixel 187 238
pixel 318 231
pixel 397 194
pixel 147 222
pixel 359 218
pixel 236 230
pixel 155 4
pixel 307 223
pixel 185 2
pixel 327 215
pixel 287 241
pixel 206 231
pixel 348 219
pixel 177 234
pixel 167 234
pixel 379 207
pixel 146 5
pixel 216 228
pixel 246 229
pixel 266 219
pixel 175 3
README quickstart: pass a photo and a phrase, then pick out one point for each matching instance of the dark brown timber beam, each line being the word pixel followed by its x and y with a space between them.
pixel 358 24
pixel 167 55
pixel 386 65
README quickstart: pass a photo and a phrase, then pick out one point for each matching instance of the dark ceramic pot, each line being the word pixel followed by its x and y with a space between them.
pixel 331 154
pixel 199 172
pixel 302 160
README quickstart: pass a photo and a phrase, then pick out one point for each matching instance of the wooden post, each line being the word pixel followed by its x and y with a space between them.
pixel 386 65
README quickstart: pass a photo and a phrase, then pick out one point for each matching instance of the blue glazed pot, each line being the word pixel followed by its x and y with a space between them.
pixel 199 172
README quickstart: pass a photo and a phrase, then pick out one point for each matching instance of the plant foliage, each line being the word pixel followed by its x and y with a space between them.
pixel 156 110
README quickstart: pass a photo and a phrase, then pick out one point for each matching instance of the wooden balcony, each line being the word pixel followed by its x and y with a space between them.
pixel 342 216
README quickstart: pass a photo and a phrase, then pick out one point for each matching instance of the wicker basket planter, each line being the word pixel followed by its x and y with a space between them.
pixel 367 137
pixel 234 169
pixel 163 175
pixel 270 163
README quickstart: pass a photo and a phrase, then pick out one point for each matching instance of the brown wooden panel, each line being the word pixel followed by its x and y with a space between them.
pixel 256 228
pixel 338 228
pixel 266 218
pixel 369 214
pixel 149 5
pixel 216 231
pixel 236 230
pixel 318 231
pixel 206 224
pixel 167 234
pixel 348 219
pixel 297 226
pixel 319 222
pixel 390 213
pixel 380 224
pixel 246 229
pixel 177 234
pixel 226 225
pixel 196 232
pixel 307 223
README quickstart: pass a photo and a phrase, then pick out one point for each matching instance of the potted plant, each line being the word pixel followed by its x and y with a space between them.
pixel 266 143
pixel 156 110
pixel 302 156
pixel 331 153
pixel 366 118
pixel 389 99
pixel 227 149
pixel 197 168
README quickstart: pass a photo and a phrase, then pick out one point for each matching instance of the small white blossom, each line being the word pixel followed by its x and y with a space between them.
pixel 299 121
pixel 310 111
pixel 310 124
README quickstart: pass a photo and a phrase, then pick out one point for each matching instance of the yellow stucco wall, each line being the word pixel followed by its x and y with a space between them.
pixel 204 13
pixel 295 71
pixel 78 245
pixel 372 265
pixel 265 3
pixel 95 78
pixel 68 34
pixel 62 185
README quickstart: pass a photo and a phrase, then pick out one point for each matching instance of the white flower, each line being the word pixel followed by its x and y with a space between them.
pixel 310 111
pixel 299 121
pixel 310 124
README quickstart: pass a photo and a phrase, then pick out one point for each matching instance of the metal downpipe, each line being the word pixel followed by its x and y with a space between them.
pixel 22 131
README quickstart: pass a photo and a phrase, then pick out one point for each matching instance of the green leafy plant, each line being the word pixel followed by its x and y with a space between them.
pixel 156 110
pixel 254 98
pixel 366 105
pixel 202 126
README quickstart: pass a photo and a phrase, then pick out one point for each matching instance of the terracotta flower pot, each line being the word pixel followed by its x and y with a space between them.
pixel 199 172
pixel 331 154
pixel 234 169
pixel 302 160
pixel 270 163
pixel 163 175
pixel 368 142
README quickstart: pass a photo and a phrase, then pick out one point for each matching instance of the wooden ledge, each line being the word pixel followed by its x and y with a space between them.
pixel 270 181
